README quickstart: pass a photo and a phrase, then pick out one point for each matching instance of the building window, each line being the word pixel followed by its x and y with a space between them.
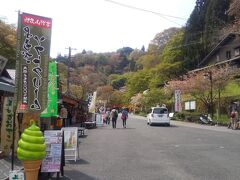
pixel 237 51
pixel 228 54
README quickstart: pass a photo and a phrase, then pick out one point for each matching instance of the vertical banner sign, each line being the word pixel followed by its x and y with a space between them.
pixel 92 106
pixel 7 125
pixel 178 107
pixel 52 105
pixel 33 51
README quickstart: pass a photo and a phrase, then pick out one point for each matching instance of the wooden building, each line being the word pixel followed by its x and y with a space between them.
pixel 7 89
pixel 226 51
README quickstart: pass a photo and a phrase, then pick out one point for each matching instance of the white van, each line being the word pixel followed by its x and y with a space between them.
pixel 158 115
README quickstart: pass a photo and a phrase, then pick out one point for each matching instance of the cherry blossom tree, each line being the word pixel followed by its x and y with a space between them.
pixel 205 84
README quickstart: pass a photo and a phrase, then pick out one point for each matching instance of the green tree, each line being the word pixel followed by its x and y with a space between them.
pixel 122 63
pixel 138 82
pixel 8 43
pixel 157 45
pixel 125 51
pixel 194 48
pixel 164 72
pixel 118 80
pixel 134 56
pixel 154 97
pixel 215 19
pixel 173 49
pixel 148 61
pixel 234 17
pixel 171 65
pixel 160 40
pixel 105 93
pixel 118 98
pixel 204 30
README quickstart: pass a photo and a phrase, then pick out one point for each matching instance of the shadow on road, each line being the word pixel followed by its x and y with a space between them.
pixel 45 176
pixel 78 175
pixel 68 175
pixel 171 126
pixel 118 128
pixel 174 126
pixel 125 128
pixel 79 161
pixel 83 136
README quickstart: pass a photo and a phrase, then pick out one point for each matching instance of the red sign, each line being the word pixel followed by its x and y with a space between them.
pixel 23 106
pixel 32 20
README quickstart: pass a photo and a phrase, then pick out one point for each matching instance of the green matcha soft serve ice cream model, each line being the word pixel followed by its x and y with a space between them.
pixel 31 150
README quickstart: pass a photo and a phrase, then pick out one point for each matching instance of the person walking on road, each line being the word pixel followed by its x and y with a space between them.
pixel 234 119
pixel 124 117
pixel 114 116
pixel 108 116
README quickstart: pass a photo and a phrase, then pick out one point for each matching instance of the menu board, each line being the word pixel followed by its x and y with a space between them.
pixel 53 141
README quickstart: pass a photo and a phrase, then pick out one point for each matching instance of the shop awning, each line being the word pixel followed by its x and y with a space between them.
pixel 7 87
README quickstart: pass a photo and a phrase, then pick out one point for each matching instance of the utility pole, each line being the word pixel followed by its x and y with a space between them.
pixel 68 65
pixel 211 92
pixel 209 76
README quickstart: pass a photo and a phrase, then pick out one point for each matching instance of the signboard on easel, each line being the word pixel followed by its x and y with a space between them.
pixel 99 119
pixel 53 141
pixel 71 143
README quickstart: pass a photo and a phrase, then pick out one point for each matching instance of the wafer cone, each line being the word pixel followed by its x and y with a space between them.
pixel 31 169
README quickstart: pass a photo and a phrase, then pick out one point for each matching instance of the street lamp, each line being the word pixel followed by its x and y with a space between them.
pixel 209 75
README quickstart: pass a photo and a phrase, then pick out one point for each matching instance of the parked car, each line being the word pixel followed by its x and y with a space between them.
pixel 158 115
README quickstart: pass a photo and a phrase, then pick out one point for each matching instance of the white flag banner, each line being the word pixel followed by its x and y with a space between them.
pixel 92 107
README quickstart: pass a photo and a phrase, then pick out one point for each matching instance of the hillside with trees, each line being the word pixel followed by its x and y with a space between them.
pixel 170 54
pixel 121 77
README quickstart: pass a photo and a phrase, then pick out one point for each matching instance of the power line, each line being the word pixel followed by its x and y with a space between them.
pixel 148 11
pixel 145 10
pixel 170 20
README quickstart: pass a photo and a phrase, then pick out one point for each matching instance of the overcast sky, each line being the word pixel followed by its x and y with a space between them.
pixel 102 25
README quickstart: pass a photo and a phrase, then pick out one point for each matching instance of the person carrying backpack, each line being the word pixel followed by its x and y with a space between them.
pixel 114 116
pixel 108 116
pixel 234 118
pixel 124 117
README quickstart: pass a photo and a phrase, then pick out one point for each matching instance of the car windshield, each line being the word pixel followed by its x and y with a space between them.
pixel 160 111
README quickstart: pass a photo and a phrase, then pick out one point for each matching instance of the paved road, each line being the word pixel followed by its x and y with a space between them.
pixel 182 151
pixel 6 166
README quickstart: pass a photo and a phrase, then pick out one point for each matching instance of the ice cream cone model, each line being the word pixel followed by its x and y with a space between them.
pixel 31 150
